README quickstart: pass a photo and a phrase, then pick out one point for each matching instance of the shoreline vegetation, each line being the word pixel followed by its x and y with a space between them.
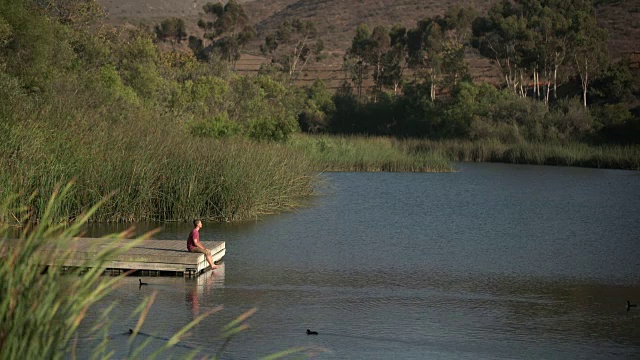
pixel 171 135
pixel 527 153
pixel 370 153
pixel 366 153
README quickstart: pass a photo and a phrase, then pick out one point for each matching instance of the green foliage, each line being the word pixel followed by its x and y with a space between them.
pixel 111 81
pixel 589 48
pixel 613 115
pixel 217 127
pixel 206 95
pixel 367 153
pixel 615 123
pixel 572 121
pixel 435 48
pixel 268 108
pixel 229 33
pixel 565 154
pixel 35 47
pixel 473 111
pixel 119 115
pixel 292 45
pixel 318 108
pixel 6 32
pixel 172 28
pixel 614 85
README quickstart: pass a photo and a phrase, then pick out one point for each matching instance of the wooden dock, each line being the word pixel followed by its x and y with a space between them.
pixel 150 257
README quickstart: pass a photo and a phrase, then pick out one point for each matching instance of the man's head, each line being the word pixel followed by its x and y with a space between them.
pixel 197 223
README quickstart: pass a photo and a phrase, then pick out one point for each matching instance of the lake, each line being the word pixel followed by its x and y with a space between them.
pixel 493 261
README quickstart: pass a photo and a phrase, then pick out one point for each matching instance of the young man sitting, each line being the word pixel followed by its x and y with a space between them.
pixel 194 245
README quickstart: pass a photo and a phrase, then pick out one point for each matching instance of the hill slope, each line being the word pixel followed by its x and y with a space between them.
pixel 336 21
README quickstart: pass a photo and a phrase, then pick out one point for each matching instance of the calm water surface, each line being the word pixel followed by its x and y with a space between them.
pixel 491 262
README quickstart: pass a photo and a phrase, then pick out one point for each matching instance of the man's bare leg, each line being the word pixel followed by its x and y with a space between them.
pixel 210 261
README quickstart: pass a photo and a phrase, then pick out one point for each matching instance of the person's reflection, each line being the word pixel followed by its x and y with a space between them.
pixel 202 288
pixel 192 299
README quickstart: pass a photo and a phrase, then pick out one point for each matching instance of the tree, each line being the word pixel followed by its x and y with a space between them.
pixel 318 108
pixel 436 47
pixel 395 58
pixel 589 49
pixel 293 45
pixel 173 29
pixel 230 31
pixel 501 36
pixel 197 47
pixel 457 26
pixel 552 27
pixel 355 61
pixel 79 14
pixel 378 47
pixel 534 38
pixel 614 85
pixel 380 50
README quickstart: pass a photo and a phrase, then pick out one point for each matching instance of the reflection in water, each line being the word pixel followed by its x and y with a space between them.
pixel 205 284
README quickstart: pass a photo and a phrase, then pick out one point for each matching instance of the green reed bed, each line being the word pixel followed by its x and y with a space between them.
pixel 153 172
pixel 568 154
pixel 362 153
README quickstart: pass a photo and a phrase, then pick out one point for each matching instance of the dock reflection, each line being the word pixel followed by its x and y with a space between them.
pixel 204 289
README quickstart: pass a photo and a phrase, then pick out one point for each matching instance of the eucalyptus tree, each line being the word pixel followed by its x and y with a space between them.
pixel 457 32
pixel 589 49
pixel 229 30
pixel 552 28
pixel 381 51
pixel 533 39
pixel 356 64
pixel 424 50
pixel 396 59
pixel 173 29
pixel 436 48
pixel 376 52
pixel 501 36
pixel 293 45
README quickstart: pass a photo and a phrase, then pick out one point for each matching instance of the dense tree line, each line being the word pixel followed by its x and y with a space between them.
pixel 416 81
pixel 558 82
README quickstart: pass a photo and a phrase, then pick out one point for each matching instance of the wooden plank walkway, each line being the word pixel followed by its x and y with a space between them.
pixel 152 257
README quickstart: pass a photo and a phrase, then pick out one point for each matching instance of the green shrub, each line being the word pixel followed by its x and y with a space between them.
pixel 217 127
pixel 173 28
pixel 571 119
pixel 317 110
pixel 111 81
pixel 266 107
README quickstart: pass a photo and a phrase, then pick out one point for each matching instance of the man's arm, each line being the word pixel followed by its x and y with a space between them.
pixel 196 242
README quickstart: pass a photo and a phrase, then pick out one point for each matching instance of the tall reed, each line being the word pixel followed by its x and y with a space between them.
pixel 367 153
pixel 154 167
pixel 40 311
pixel 563 154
